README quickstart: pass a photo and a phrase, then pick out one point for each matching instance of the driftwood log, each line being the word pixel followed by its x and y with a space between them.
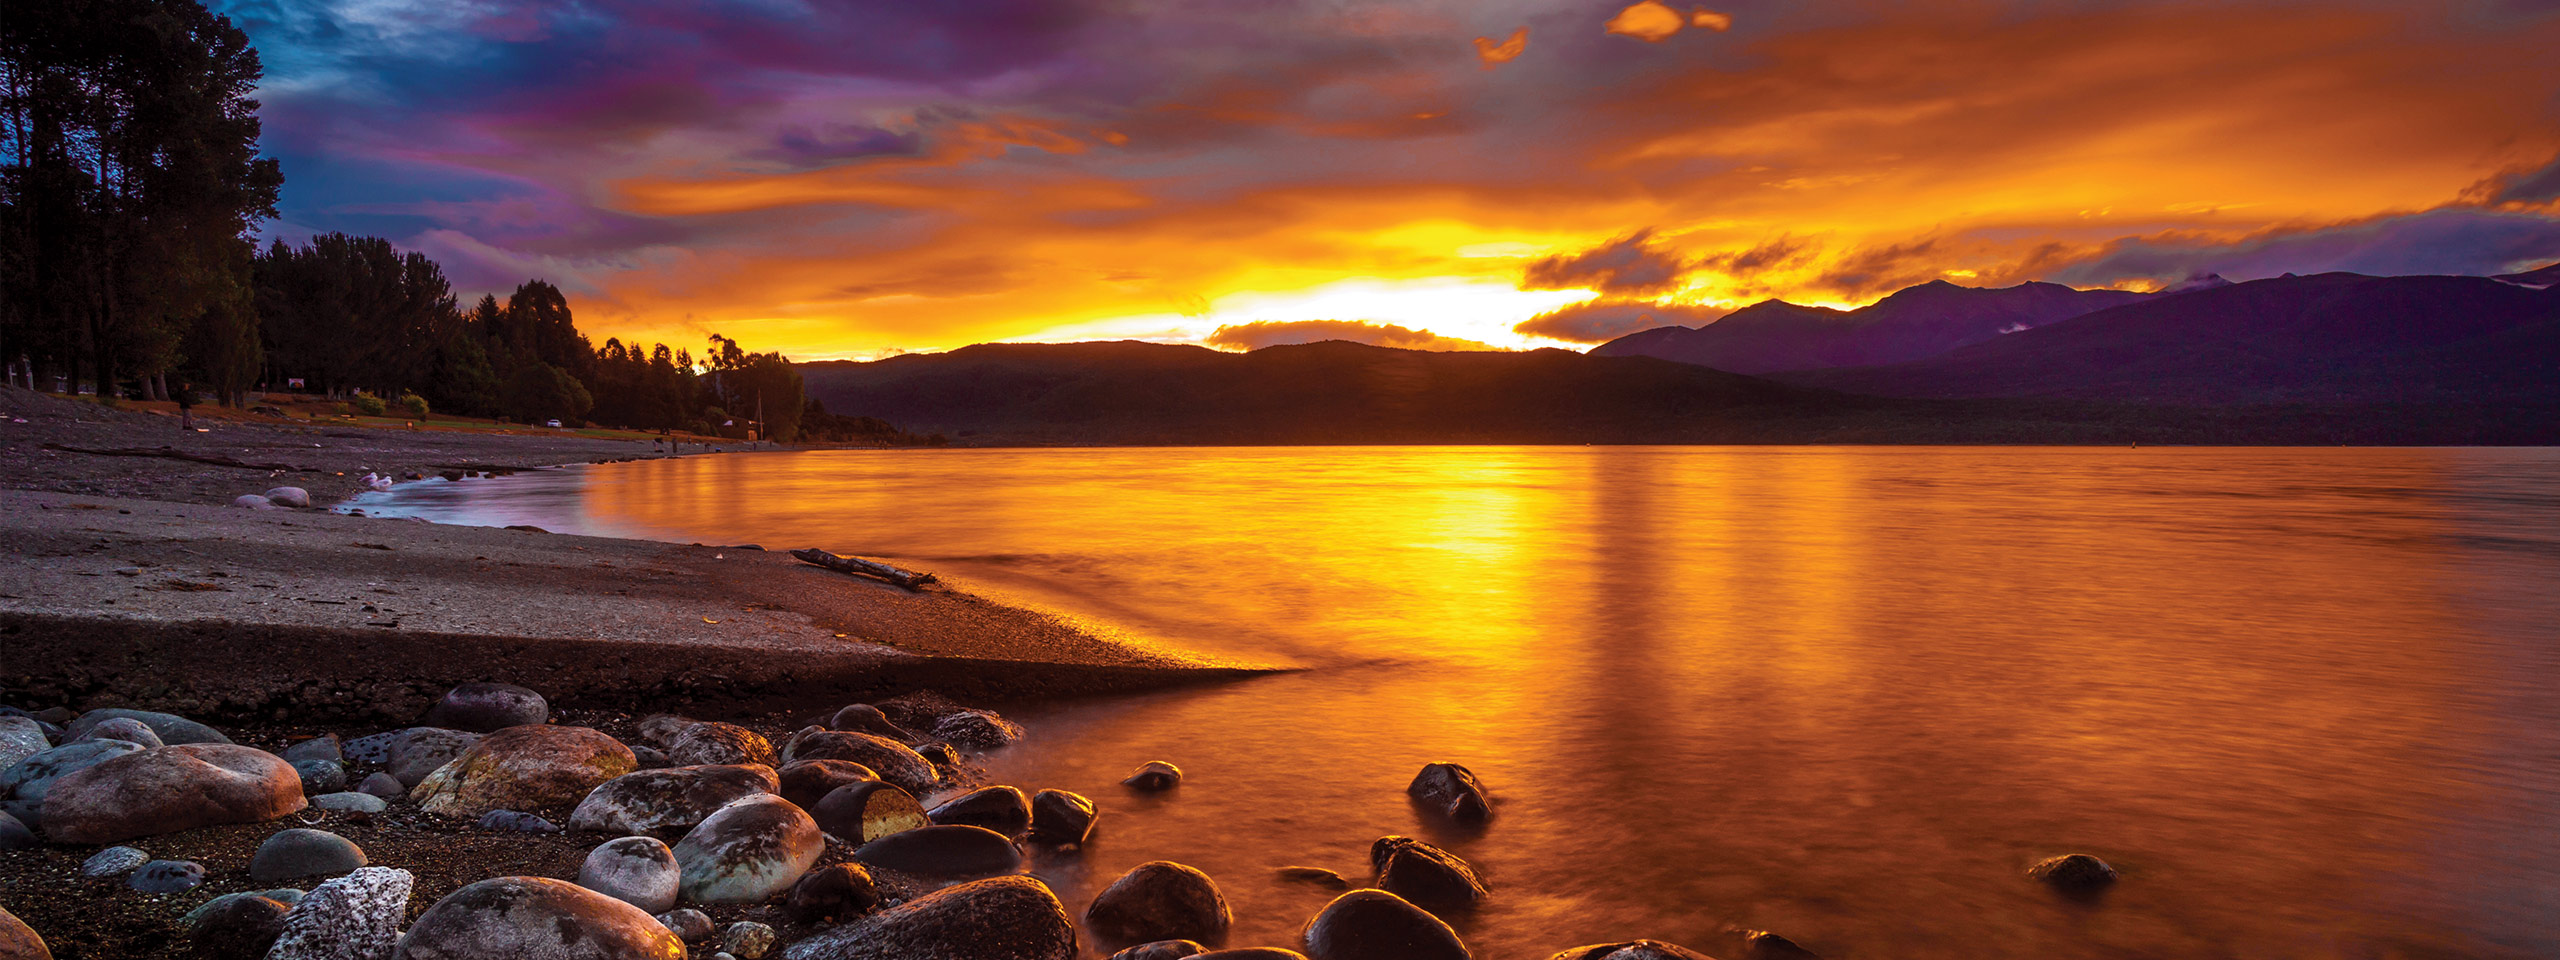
pixel 866 568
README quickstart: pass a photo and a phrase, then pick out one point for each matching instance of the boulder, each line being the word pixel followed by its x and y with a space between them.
pixel 169 727
pixel 1001 809
pixel 167 876
pixel 357 915
pixel 289 496
pixel 1452 791
pixel 20 738
pixel 19 941
pixel 487 708
pixel 31 779
pixel 1155 775
pixel 168 789
pixel 640 871
pixel 805 782
pixel 1002 918
pixel 322 747
pixel 524 768
pixel 649 757
pixel 673 799
pixel 126 729
pixel 660 729
pixel 237 925
pixel 1425 875
pixel 952 851
pixel 939 754
pixel 1161 950
pixel 1160 900
pixel 705 744
pixel 891 760
pixel 300 852
pixel 2076 874
pixel 535 918
pixel 747 851
pixel 516 821
pixel 193 920
pixel 1377 925
pixel 383 786
pixel 16 835
pixel 113 862
pixel 980 729
pixel 868 810
pixel 687 924
pixel 837 891
pixel 350 802
pixel 1060 817
pixel 370 748
pixel 414 753
pixel 747 940
pixel 321 776
pixel 1631 950
pixel 865 718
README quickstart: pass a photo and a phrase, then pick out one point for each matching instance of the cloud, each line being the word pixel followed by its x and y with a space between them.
pixel 1272 333
pixel 1650 21
pixel 2455 240
pixel 2528 186
pixel 1600 321
pixel 1626 265
pixel 1875 271
pixel 1498 53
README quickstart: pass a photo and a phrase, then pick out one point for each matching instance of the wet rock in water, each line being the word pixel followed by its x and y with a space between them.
pixel 1631 950
pixel 1452 791
pixel 649 757
pixel 865 718
pixel 805 782
pixel 2077 874
pixel 289 497
pixel 1061 817
pixel 357 915
pixel 704 744
pixel 168 789
pixel 1253 953
pixel 1377 925
pixel 16 835
pixel 1161 950
pixel 1316 875
pixel 239 925
pixel 673 799
pixel 33 778
pixel 747 940
pixel 1425 875
pixel 979 729
pixel 126 729
pixel 414 753
pixel 889 759
pixel 488 708
pixel 837 891
pixel 383 786
pixel 167 876
pixel 687 924
pixel 20 738
pixel 1002 918
pixel 640 871
pixel 524 768
pixel 19 941
pixel 322 747
pixel 868 810
pixel 1160 900
pixel 351 802
pixel 947 851
pixel 321 776
pixel 253 501
pixel 1763 945
pixel 1001 809
pixel 171 728
pixel 516 821
pixel 938 754
pixel 535 917
pixel 1155 775
pixel 114 862
pixel 747 851
pixel 300 852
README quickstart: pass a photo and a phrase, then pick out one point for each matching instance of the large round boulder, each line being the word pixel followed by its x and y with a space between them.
pixel 357 915
pixel 486 707
pixel 1452 791
pixel 1377 925
pixel 674 798
pixel 640 871
pixel 868 810
pixel 30 779
pixel 168 789
pixel 411 754
pixel 20 942
pixel 1425 875
pixel 535 918
pixel 805 782
pixel 171 728
pixel 1631 950
pixel 946 851
pixel 891 760
pixel 1001 809
pixel 301 852
pixel 1160 900
pixel 524 768
pixel 747 851
pixel 1002 918
pixel 704 744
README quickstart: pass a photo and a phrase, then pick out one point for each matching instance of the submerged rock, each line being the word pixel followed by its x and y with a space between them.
pixel 1002 918
pixel 297 853
pixel 832 892
pixel 640 871
pixel 747 851
pixel 943 851
pixel 1252 953
pixel 868 810
pixel 357 915
pixel 1763 945
pixel 1425 875
pixel 1061 817
pixel 1160 900
pixel 673 799
pixel 524 768
pixel 1155 775
pixel 1452 791
pixel 168 789
pixel 1377 925
pixel 535 917
pixel 1316 875
pixel 487 708
pixel 891 760
pixel 2078 874
pixel 1631 950
pixel 1001 809
pixel 805 782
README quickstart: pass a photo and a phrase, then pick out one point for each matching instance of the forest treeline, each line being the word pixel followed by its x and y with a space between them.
pixel 130 192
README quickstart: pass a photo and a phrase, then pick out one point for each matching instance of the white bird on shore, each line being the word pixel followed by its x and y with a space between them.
pixel 377 481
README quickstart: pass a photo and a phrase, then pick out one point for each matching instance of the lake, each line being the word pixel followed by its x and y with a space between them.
pixel 2306 700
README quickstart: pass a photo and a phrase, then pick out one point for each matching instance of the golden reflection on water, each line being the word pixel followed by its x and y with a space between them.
pixel 2303 698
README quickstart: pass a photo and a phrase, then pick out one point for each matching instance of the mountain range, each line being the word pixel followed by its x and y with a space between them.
pixel 1913 323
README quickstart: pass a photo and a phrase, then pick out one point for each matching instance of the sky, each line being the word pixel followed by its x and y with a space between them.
pixel 856 179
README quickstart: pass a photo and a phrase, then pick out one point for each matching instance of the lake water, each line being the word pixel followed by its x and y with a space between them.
pixel 2306 700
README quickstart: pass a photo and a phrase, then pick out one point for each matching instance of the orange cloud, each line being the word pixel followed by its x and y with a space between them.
pixel 1499 53
pixel 1650 21
pixel 1257 335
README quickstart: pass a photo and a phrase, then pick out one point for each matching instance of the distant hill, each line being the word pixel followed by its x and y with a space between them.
pixel 1917 322
pixel 2547 276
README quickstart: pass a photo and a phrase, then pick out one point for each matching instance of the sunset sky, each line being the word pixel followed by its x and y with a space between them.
pixel 853 179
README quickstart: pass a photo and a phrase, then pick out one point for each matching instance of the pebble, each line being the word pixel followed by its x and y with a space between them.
pixel 524 768
pixel 354 916
pixel 114 862
pixel 289 497
pixel 383 786
pixel 351 802
pixel 322 747
pixel 674 798
pixel 31 779
pixel 805 782
pixel 302 852
pixel 167 876
pixel 196 917
pixel 747 940
pixel 688 924
pixel 321 776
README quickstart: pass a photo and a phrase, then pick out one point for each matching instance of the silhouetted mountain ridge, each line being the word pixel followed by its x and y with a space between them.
pixel 1916 322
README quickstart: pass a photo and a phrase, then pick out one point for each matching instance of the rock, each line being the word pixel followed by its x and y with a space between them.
pixel 938 754
pixel 487 708
pixel 1763 945
pixel 126 729
pixel 649 757
pixel 747 851
pixel 415 753
pixel 687 924
pixel 350 803
pixel 837 891
pixel 1451 791
pixel 18 941
pixel 1155 775
pixel 322 747
pixel 383 786
pixel 640 871
pixel 747 940
pixel 1316 875
pixel 2078 874
pixel 1425 875
pixel 27 812
pixel 660 729
pixel 169 727
pixel 55 715
pixel 299 852
pixel 868 810
pixel 981 729
pixel 805 782
pixel 167 876
pixel 705 744
pixel 672 799
pixel 32 779
pixel 1631 950
pixel 321 776
pixel 1252 953
pixel 889 759
pixel 16 835
pixel 1060 817
pixel 1377 925
pixel 1003 918
pixel 524 768
pixel 253 501
pixel 20 738
pixel 113 862
pixel 237 925
pixel 516 821
pixel 371 748
pixel 354 916
pixel 1160 900
pixel 865 718
pixel 1161 950
pixel 535 918
pixel 1001 809
pixel 194 919
pixel 289 497
pixel 168 789
pixel 952 851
